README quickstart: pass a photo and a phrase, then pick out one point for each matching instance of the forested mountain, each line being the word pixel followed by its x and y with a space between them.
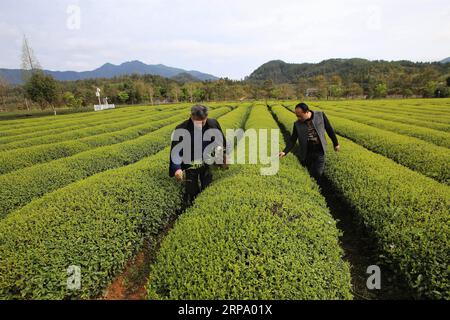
pixel 349 70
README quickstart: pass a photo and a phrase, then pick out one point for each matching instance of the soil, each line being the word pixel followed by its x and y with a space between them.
pixel 131 283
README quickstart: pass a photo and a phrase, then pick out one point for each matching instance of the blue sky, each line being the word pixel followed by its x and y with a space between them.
pixel 226 38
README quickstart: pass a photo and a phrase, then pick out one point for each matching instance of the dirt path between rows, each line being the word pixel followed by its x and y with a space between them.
pixel 131 283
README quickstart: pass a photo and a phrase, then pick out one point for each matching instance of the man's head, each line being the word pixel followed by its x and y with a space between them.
pixel 199 115
pixel 302 111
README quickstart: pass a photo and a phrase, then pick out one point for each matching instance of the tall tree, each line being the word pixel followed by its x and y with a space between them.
pixel 30 64
pixel 320 82
pixel 42 89
pixel 301 87
pixel 175 92
pixel 355 90
pixel 123 96
pixel 285 91
pixel 4 88
pixel 380 90
pixel 268 88
pixel 151 92
pixel 189 88
pixel 335 88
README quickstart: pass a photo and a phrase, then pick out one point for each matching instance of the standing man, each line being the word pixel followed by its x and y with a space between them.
pixel 309 130
pixel 190 136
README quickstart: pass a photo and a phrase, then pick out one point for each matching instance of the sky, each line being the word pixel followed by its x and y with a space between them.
pixel 227 38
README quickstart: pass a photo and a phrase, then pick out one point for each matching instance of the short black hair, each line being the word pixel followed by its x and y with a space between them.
pixel 302 106
pixel 199 111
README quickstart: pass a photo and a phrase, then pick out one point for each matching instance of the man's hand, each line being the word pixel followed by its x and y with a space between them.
pixel 337 148
pixel 282 155
pixel 179 175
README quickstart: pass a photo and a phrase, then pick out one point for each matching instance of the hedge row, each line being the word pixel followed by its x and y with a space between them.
pixel 54 124
pixel 426 158
pixel 436 137
pixel 395 115
pixel 406 212
pixel 21 186
pixel 48 130
pixel 401 106
pixel 85 132
pixel 390 116
pixel 27 157
pixel 98 224
pixel 254 237
pixel 77 117
pixel 89 131
pixel 418 113
pixel 423 118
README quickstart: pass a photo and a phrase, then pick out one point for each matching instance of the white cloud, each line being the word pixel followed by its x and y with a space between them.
pixel 226 38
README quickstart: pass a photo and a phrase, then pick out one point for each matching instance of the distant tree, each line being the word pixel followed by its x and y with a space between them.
pixel 71 101
pixel 131 89
pixel 448 82
pixel 139 90
pixel 335 91
pixel 380 90
pixel 151 93
pixel 4 89
pixel 199 94
pixel 189 89
pixel 430 89
pixel 407 93
pixel 284 91
pixel 320 83
pixel 335 88
pixel 442 92
pixel 30 64
pixel 29 60
pixel 268 89
pixel 239 92
pixel 123 96
pixel 301 87
pixel 428 75
pixel 219 90
pixel 336 80
pixel 355 90
pixel 175 92
pixel 42 89
pixel 110 90
pixel 255 91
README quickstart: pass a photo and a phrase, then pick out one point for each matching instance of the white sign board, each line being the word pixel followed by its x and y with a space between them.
pixel 104 107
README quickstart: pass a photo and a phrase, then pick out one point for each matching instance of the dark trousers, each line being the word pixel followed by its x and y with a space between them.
pixel 197 179
pixel 315 161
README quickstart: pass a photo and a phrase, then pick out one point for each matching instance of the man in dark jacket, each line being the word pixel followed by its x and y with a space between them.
pixel 309 130
pixel 189 158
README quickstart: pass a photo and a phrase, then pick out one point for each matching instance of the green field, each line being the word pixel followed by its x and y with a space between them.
pixel 92 190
